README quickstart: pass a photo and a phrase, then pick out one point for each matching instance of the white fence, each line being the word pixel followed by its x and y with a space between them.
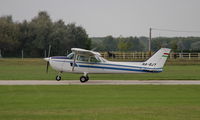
pixel 145 55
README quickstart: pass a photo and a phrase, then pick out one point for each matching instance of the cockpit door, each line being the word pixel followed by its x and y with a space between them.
pixel 95 65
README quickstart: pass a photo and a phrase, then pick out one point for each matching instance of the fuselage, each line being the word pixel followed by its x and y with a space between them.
pixel 64 64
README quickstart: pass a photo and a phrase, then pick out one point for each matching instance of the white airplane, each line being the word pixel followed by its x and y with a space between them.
pixel 87 61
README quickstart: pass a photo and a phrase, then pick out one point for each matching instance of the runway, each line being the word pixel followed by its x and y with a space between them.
pixel 100 82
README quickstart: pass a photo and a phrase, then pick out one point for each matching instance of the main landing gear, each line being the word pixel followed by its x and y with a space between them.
pixel 84 78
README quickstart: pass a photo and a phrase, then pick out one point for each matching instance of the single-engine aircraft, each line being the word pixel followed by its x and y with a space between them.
pixel 88 61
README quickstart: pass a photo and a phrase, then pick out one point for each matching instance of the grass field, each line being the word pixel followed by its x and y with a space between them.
pixel 131 102
pixel 34 69
pixel 111 102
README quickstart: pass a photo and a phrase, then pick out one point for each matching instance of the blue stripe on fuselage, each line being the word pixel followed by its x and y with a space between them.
pixel 64 57
pixel 107 64
pixel 92 65
pixel 123 69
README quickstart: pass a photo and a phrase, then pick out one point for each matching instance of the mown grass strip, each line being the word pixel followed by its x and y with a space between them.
pixel 34 69
pixel 138 102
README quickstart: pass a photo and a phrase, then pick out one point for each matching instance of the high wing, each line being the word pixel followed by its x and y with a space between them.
pixel 85 52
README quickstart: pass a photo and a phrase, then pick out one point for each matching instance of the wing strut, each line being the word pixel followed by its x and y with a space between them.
pixel 74 61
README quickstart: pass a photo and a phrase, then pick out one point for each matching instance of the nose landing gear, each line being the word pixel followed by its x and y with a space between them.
pixel 58 77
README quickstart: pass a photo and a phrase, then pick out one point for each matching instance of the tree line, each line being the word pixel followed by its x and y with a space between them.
pixel 110 43
pixel 34 37
pixel 177 44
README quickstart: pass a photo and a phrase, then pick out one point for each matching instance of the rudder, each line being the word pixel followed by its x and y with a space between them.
pixel 159 58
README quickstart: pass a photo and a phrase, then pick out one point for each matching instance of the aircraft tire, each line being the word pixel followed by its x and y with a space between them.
pixel 58 78
pixel 84 79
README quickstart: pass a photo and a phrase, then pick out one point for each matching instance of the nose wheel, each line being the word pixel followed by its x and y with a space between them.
pixel 58 77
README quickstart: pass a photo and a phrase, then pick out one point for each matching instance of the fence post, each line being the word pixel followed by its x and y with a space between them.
pixel 189 56
pixel 170 55
pixel 180 56
pixel 146 55
pixel 142 55
pixel 104 54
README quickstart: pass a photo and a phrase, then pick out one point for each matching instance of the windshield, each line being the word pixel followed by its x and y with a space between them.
pixel 70 56
pixel 103 59
pixel 86 58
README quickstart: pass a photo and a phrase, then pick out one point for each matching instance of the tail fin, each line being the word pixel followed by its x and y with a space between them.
pixel 159 58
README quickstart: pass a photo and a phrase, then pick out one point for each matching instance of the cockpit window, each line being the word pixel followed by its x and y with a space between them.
pixel 70 56
pixel 94 59
pixel 86 58
pixel 83 58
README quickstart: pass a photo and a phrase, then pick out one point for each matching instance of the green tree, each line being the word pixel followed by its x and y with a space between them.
pixel 109 43
pixel 195 45
pixel 9 35
pixel 123 44
pixel 174 45
pixel 134 44
pixel 41 28
pixel 58 38
pixel 77 37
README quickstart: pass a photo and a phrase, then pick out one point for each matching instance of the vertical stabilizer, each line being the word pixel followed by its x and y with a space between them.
pixel 159 58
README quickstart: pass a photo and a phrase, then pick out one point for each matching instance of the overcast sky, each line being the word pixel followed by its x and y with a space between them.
pixel 114 17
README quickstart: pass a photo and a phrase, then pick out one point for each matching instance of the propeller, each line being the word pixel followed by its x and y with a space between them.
pixel 47 59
